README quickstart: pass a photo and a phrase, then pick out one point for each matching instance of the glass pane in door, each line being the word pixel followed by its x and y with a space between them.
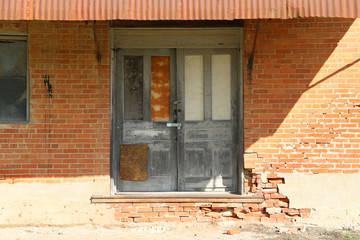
pixel 133 87
pixel 221 82
pixel 194 88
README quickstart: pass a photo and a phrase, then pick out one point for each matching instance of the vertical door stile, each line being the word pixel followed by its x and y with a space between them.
pixel 180 116
pixel 147 87
pixel 118 120
pixel 235 115
pixel 207 84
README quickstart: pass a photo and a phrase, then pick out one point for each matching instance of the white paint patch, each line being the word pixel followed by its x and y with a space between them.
pixel 334 198
pixel 147 133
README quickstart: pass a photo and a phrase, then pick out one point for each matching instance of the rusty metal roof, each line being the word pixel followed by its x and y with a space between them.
pixel 73 10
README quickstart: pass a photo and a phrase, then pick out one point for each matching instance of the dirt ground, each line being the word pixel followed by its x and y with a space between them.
pixel 162 231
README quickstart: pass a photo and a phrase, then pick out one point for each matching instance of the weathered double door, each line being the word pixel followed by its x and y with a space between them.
pixel 183 105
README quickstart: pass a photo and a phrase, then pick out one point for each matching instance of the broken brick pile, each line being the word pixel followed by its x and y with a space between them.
pixel 274 209
pixel 276 206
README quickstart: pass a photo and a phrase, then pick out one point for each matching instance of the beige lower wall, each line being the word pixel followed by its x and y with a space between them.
pixel 333 198
pixel 54 203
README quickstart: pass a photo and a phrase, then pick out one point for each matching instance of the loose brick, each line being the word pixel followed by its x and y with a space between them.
pixel 233 231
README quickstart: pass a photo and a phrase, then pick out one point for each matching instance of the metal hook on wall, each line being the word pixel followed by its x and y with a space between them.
pixel 48 85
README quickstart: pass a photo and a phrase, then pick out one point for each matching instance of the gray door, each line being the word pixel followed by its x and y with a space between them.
pixel 190 123
pixel 147 86
pixel 208 137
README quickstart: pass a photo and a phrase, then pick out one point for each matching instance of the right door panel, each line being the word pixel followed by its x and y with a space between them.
pixel 208 139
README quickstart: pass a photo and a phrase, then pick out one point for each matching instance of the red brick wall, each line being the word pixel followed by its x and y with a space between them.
pixel 302 106
pixel 68 135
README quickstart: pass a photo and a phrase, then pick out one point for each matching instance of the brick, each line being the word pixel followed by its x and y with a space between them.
pixel 268 220
pixel 196 214
pixel 187 204
pixel 172 204
pixel 156 219
pixel 166 214
pixel 144 209
pixel 134 215
pixel 128 210
pixel 160 209
pixel 172 219
pixel 157 205
pixel 140 205
pixel 270 190
pixel 191 209
pixel 277 195
pixel 150 214
pixel 175 209
pixel 141 220
pixel 233 231
pixel 251 205
pixel 183 214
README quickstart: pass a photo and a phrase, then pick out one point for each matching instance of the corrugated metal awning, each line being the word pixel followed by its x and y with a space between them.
pixel 74 10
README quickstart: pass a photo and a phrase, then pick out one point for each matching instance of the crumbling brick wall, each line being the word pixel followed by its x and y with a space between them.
pixel 301 103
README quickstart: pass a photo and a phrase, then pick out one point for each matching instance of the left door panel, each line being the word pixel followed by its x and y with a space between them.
pixel 143 106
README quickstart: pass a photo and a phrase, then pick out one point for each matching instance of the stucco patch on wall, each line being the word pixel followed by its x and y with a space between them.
pixel 334 198
pixel 29 203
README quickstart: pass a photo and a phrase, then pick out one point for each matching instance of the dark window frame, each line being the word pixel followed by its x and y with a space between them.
pixel 20 38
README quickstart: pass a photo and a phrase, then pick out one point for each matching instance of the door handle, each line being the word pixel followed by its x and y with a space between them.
pixel 178 125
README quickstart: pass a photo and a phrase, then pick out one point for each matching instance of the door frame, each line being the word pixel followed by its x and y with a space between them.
pixel 172 38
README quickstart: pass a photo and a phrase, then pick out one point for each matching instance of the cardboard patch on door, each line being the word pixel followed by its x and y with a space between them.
pixel 134 162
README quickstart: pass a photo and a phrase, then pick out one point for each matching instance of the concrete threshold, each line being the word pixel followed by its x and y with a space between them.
pixel 190 197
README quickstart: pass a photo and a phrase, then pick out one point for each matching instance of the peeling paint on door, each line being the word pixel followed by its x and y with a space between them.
pixel 160 88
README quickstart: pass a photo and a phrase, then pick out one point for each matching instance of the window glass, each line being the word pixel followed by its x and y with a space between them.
pixel 133 87
pixel 221 81
pixel 194 88
pixel 13 80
